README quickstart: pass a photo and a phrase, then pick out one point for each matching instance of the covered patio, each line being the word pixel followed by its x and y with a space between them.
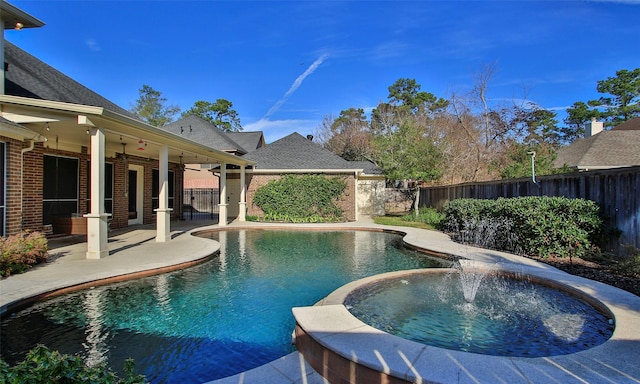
pixel 104 137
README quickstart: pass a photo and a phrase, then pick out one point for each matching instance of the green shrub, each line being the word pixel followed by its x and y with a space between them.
pixel 21 251
pixel 542 226
pixel 43 366
pixel 306 198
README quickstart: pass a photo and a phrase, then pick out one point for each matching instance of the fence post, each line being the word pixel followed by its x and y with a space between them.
pixel 191 204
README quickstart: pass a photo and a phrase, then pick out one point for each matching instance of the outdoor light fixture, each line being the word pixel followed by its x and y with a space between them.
pixel 18 26
pixel 141 145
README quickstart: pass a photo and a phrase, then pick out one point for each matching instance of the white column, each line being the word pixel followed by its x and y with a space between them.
pixel 242 209
pixel 222 215
pixel 163 213
pixel 97 246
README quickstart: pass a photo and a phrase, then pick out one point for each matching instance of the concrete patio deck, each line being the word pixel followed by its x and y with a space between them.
pixel 135 253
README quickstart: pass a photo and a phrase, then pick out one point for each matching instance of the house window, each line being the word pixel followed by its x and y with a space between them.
pixel 60 187
pixel 156 188
pixel 3 186
pixel 108 187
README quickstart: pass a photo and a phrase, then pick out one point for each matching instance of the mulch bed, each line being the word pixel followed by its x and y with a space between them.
pixel 595 271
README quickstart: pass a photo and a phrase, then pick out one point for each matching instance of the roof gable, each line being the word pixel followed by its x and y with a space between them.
pixel 27 76
pixel 296 152
pixel 199 130
pixel 250 141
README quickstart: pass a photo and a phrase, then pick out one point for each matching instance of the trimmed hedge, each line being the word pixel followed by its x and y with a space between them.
pixel 541 226
pixel 306 198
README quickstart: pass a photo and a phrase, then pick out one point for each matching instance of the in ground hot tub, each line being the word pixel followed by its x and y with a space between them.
pixel 428 326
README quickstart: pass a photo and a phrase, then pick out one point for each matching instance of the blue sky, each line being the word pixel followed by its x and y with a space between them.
pixel 287 64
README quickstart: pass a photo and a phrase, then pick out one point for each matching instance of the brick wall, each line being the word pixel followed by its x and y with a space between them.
pixel 28 213
pixel 120 216
pixel 13 212
pixel 346 202
pixel 32 184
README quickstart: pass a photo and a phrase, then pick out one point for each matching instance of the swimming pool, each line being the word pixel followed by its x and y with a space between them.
pixel 225 316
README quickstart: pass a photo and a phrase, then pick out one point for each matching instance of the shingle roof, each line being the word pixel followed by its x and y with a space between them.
pixel 250 141
pixel 201 131
pixel 629 125
pixel 27 76
pixel 296 152
pixel 367 167
pixel 607 149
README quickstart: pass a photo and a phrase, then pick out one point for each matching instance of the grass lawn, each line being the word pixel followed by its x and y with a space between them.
pixel 401 221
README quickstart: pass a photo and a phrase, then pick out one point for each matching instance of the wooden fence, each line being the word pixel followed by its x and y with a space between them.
pixel 617 191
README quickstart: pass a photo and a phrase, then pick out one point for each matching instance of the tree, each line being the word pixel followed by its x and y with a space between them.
pixel 624 100
pixel 221 114
pixel 480 129
pixel 621 104
pixel 349 135
pixel 518 161
pixel 406 93
pixel 577 116
pixel 406 140
pixel 151 107
pixel 408 154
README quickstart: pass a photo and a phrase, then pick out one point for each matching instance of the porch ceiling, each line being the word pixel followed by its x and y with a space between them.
pixel 64 126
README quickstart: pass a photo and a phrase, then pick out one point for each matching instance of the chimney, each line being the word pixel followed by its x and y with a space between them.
pixel 593 128
pixel 310 137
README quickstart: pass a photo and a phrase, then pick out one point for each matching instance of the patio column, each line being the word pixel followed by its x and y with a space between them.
pixel 242 209
pixel 163 213
pixel 222 215
pixel 97 225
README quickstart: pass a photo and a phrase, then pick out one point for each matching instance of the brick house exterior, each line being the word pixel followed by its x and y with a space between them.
pixel 295 154
pixel 24 205
pixel 68 155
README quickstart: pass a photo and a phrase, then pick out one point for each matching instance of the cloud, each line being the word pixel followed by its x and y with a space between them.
pixel 296 84
pixel 558 108
pixel 93 45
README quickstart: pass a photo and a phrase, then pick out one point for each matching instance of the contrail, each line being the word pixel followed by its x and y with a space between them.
pixel 296 84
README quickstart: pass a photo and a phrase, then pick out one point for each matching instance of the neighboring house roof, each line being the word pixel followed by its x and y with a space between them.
pixel 615 148
pixel 629 125
pixel 199 130
pixel 296 152
pixel 250 141
pixel 27 76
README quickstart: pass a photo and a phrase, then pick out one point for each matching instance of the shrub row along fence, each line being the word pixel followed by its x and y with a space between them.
pixel 617 192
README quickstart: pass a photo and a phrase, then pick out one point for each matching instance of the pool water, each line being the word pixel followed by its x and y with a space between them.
pixel 225 316
pixel 508 317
